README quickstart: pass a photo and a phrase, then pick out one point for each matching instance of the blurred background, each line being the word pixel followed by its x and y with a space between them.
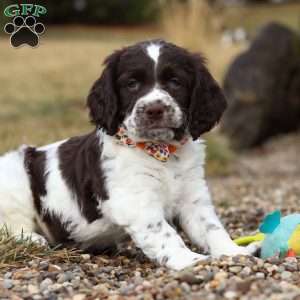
pixel 255 60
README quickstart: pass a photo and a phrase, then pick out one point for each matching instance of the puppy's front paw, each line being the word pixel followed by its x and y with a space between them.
pixel 237 250
pixel 183 261
pixel 254 248
pixel 32 237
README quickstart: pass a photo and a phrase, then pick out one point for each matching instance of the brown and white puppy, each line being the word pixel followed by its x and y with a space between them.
pixel 92 191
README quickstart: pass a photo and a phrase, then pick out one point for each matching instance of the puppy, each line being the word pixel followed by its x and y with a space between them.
pixel 140 168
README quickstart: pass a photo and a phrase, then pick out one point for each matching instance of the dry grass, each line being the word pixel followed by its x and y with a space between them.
pixel 254 16
pixel 196 25
pixel 15 252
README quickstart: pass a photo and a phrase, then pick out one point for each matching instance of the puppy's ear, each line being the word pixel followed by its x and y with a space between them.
pixel 102 100
pixel 207 101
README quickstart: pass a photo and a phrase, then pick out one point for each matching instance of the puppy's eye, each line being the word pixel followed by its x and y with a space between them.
pixel 133 85
pixel 174 83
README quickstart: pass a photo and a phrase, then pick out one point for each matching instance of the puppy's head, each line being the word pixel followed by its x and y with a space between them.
pixel 158 91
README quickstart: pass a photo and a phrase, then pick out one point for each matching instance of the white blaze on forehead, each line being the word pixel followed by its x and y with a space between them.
pixel 153 52
pixel 156 94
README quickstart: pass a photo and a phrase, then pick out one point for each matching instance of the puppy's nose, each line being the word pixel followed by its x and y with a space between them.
pixel 155 111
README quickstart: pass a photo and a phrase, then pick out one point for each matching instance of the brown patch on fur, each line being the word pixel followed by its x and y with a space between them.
pixel 35 162
pixel 79 162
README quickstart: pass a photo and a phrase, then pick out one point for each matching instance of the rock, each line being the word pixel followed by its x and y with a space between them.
pixel 290 264
pixel 79 297
pixel 8 275
pixel 190 277
pixel 75 283
pixel 246 271
pixel 32 289
pixel 44 285
pixel 8 283
pixel 243 286
pixel 85 256
pixel 15 297
pixel 44 265
pixel 54 268
pixel 221 276
pixel 260 275
pixel 55 287
pixel 286 275
pixel 235 269
pixel 231 295
pixel 67 276
pixel 186 288
pixel 262 87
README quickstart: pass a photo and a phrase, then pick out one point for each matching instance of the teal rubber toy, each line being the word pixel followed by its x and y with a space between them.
pixel 279 235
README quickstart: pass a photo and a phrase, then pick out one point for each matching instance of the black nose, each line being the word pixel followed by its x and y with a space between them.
pixel 155 111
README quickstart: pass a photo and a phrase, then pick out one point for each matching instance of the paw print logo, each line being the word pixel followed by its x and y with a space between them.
pixel 24 31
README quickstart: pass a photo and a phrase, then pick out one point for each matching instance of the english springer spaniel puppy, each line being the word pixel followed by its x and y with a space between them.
pixel 140 168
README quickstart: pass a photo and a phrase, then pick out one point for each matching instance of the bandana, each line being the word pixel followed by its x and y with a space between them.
pixel 160 151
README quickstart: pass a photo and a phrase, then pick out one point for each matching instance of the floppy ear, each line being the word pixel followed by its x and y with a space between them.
pixel 207 101
pixel 102 100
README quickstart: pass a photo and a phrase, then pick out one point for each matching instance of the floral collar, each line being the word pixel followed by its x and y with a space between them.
pixel 160 151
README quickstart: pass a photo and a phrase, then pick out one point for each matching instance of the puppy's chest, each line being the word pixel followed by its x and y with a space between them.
pixel 136 173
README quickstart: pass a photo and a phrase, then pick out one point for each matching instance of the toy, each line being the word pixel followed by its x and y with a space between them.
pixel 279 236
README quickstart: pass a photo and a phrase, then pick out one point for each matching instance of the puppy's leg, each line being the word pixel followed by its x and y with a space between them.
pixel 25 232
pixel 31 237
pixel 142 218
pixel 199 220
pixel 17 213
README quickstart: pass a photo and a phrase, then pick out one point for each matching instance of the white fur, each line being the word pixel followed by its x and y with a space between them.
pixel 153 51
pixel 16 204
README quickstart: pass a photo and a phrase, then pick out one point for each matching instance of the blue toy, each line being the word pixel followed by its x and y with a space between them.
pixel 279 236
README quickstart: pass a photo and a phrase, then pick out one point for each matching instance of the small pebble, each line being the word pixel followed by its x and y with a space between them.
pixel 54 268
pixel 221 276
pixel 286 275
pixel 235 269
pixel 246 271
pixel 79 297
pixel 260 275
pixel 8 283
pixel 189 277
pixel 231 295
pixel 32 289
pixel 186 288
pixel 85 256
pixel 62 277
pixel 45 284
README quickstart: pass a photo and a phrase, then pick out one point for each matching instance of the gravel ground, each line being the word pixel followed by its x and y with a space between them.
pixel 260 181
